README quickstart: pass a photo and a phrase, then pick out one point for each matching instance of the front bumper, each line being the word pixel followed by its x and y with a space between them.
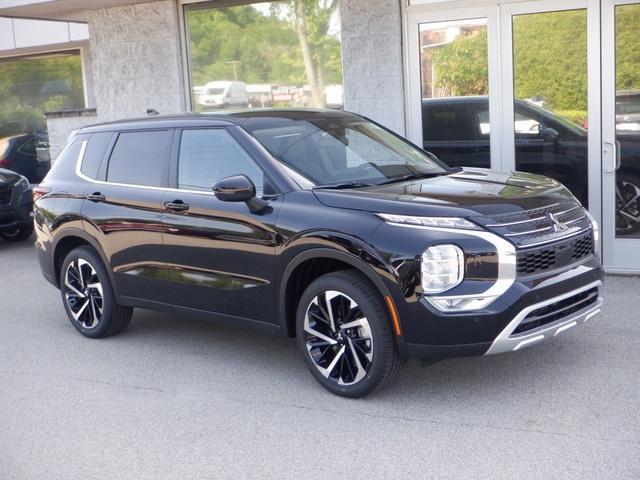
pixel 430 333
pixel 17 213
pixel 565 309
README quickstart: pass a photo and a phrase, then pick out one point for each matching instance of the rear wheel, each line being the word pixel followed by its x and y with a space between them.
pixel 17 234
pixel 345 335
pixel 88 296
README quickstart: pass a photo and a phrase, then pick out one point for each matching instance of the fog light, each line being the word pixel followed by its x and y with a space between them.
pixel 442 268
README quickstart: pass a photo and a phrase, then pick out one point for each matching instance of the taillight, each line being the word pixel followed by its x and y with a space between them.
pixel 4 162
pixel 39 192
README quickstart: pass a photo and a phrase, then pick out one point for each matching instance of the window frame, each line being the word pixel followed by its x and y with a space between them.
pixel 174 163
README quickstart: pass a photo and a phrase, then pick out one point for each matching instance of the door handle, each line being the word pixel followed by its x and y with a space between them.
pixel 176 206
pixel 95 197
pixel 612 151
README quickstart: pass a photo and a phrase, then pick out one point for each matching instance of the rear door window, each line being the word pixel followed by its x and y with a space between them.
pixel 447 123
pixel 140 158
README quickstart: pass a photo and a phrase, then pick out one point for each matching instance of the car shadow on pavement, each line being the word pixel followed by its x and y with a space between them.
pixel 276 358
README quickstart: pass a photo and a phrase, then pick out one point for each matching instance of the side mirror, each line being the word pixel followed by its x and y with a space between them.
pixel 549 134
pixel 238 188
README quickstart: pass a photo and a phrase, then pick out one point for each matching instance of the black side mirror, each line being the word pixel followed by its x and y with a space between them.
pixel 549 134
pixel 238 188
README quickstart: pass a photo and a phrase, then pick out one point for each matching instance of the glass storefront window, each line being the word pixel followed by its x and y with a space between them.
pixel 29 87
pixel 627 18
pixel 269 54
pixel 550 86
pixel 454 88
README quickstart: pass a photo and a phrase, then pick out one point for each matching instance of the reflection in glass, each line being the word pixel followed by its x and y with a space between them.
pixel 30 86
pixel 454 72
pixel 627 18
pixel 270 54
pixel 550 85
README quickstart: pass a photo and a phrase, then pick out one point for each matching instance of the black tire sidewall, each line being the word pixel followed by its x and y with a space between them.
pixel 24 233
pixel 378 322
pixel 88 255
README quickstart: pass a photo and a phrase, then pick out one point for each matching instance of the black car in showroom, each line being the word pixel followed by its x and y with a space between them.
pixel 456 130
pixel 16 203
pixel 314 224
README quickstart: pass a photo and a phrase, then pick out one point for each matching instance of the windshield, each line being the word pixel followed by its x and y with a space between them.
pixel 215 91
pixel 345 150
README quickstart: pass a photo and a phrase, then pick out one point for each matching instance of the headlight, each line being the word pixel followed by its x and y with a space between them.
pixel 23 185
pixel 596 233
pixel 442 268
pixel 441 222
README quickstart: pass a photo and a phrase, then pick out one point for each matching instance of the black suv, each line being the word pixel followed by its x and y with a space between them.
pixel 16 203
pixel 319 225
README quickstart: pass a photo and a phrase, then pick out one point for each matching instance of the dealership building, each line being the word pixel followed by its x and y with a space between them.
pixel 549 87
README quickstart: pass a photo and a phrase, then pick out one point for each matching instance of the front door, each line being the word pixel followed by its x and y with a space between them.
pixel 621 134
pixel 220 255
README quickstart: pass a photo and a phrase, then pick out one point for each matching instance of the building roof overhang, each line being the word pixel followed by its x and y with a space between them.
pixel 70 10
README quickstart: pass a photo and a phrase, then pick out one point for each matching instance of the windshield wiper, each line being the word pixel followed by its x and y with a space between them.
pixel 414 176
pixel 339 186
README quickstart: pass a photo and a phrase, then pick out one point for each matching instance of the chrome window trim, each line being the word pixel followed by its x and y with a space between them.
pixel 506 264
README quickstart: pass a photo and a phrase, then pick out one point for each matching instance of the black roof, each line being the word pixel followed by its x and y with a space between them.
pixel 263 116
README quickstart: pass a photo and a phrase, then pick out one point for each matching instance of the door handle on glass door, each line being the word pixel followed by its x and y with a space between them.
pixel 611 151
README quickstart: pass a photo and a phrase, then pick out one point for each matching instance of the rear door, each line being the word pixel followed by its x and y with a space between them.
pixel 124 210
pixel 220 255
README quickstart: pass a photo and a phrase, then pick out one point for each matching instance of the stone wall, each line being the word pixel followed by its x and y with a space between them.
pixel 136 59
pixel 372 59
pixel 61 124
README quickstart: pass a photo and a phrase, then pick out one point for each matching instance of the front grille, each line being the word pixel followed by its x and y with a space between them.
pixel 5 198
pixel 528 228
pixel 556 255
pixel 557 311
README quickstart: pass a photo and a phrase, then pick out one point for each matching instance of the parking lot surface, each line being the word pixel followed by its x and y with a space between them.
pixel 179 398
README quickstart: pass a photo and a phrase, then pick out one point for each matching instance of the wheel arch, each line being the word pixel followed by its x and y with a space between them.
pixel 70 239
pixel 312 263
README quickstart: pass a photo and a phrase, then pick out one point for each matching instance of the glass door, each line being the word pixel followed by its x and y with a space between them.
pixel 550 80
pixel 453 82
pixel 621 135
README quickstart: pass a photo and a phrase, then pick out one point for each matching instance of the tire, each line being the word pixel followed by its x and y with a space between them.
pixel 18 234
pixel 88 296
pixel 627 201
pixel 329 352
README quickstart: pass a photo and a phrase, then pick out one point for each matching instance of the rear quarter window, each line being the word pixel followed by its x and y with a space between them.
pixel 94 153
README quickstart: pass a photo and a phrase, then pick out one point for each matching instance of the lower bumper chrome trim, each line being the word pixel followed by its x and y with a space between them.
pixel 506 342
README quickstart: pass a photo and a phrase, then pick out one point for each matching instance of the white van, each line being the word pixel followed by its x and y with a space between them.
pixel 224 94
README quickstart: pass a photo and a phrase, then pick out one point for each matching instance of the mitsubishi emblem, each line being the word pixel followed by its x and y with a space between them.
pixel 557 225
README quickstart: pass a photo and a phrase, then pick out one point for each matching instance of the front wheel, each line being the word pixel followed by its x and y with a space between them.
pixel 345 335
pixel 88 296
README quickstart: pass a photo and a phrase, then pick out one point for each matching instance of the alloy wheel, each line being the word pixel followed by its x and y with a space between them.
pixel 627 207
pixel 83 293
pixel 338 337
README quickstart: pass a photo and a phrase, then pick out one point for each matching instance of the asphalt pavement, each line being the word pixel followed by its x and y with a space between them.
pixel 177 398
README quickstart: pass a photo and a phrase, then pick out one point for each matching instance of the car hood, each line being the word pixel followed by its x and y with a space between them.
pixel 7 177
pixel 467 193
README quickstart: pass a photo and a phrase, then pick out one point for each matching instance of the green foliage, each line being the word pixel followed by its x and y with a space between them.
pixel 461 66
pixel 550 58
pixel 627 50
pixel 31 86
pixel 261 44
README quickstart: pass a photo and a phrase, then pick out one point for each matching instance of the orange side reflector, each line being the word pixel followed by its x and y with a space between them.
pixel 394 316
